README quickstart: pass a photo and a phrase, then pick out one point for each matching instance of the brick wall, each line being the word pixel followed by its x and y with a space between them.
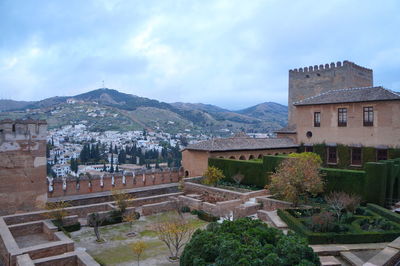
pixel 87 186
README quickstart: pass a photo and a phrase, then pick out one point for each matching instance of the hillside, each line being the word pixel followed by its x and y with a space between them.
pixel 106 109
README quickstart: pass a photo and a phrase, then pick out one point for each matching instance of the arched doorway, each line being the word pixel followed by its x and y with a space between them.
pixel 242 157
pixel 232 157
pixel 260 156
pixel 186 173
pixel 251 157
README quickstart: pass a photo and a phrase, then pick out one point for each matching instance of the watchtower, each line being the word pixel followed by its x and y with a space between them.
pixel 309 81
pixel 22 165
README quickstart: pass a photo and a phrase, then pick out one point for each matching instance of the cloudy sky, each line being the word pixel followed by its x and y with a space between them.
pixel 230 53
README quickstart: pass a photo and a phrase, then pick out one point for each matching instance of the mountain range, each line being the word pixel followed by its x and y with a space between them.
pixel 108 109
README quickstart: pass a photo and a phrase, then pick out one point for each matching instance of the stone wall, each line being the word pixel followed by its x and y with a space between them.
pixel 22 165
pixel 269 204
pixel 221 193
pixel 108 182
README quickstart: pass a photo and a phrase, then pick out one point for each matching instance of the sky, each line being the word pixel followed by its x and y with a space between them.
pixel 231 53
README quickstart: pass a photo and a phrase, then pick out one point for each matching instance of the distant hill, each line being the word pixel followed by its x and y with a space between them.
pixel 106 109
pixel 6 105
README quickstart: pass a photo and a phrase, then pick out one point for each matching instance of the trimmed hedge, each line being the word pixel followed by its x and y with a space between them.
pixel 384 212
pixel 394 153
pixel 350 181
pixel 252 171
pixel 352 237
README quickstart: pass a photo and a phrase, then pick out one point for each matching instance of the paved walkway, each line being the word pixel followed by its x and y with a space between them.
pixel 109 193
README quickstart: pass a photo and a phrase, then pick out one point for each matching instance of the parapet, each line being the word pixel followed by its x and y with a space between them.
pixel 330 66
pixel 13 130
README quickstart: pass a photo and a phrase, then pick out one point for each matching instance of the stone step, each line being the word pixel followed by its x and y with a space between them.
pixel 351 258
pixel 329 261
pixel 273 218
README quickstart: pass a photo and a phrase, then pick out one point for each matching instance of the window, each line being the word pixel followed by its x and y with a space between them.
pixel 317 119
pixel 342 117
pixel 356 156
pixel 332 159
pixel 381 154
pixel 368 116
pixel 309 149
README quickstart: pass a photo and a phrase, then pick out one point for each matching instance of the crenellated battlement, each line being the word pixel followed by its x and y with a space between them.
pixel 330 66
pixel 18 130
pixel 309 81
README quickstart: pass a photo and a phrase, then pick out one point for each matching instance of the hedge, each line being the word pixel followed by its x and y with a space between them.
pixel 384 212
pixel 344 156
pixel 252 171
pixel 350 181
pixel 353 237
pixel 320 149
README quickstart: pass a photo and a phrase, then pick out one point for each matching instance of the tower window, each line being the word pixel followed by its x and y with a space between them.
pixel 317 119
pixel 368 116
pixel 342 117
pixel 13 128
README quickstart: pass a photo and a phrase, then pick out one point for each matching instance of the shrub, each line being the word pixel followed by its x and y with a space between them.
pixel 246 242
pixel 185 209
pixel 297 177
pixel 206 217
pixel 322 222
pixel 212 175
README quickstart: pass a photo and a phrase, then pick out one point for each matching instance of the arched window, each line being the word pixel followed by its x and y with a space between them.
pixel 251 157
pixel 186 173
pixel 232 157
pixel 260 156
pixel 242 157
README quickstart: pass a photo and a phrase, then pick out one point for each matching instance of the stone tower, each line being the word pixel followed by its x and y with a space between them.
pixel 22 165
pixel 309 81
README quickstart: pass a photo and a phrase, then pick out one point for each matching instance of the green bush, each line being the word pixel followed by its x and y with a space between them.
pixel 206 217
pixel 185 209
pixel 320 149
pixel 368 154
pixel 246 242
pixel 394 153
pixel 344 154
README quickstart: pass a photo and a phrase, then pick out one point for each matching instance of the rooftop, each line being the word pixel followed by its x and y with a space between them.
pixel 365 94
pixel 242 143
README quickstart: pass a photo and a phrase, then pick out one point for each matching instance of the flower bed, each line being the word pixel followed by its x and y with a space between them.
pixel 368 224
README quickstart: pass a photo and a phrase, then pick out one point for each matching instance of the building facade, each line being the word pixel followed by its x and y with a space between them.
pixel 240 147
pixel 22 165
pixel 338 105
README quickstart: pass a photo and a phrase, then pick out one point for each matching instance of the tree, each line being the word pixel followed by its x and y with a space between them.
pixel 57 211
pixel 212 175
pixel 112 163
pixel 129 218
pixel 121 199
pixel 175 233
pixel 297 177
pixel 138 248
pixel 104 167
pixel 96 220
pixel 246 242
pixel 340 201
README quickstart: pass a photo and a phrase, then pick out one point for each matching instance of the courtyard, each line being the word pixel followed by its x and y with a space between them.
pixel 116 248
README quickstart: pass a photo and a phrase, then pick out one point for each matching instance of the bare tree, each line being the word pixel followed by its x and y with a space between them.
pixel 96 220
pixel 138 249
pixel 175 233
